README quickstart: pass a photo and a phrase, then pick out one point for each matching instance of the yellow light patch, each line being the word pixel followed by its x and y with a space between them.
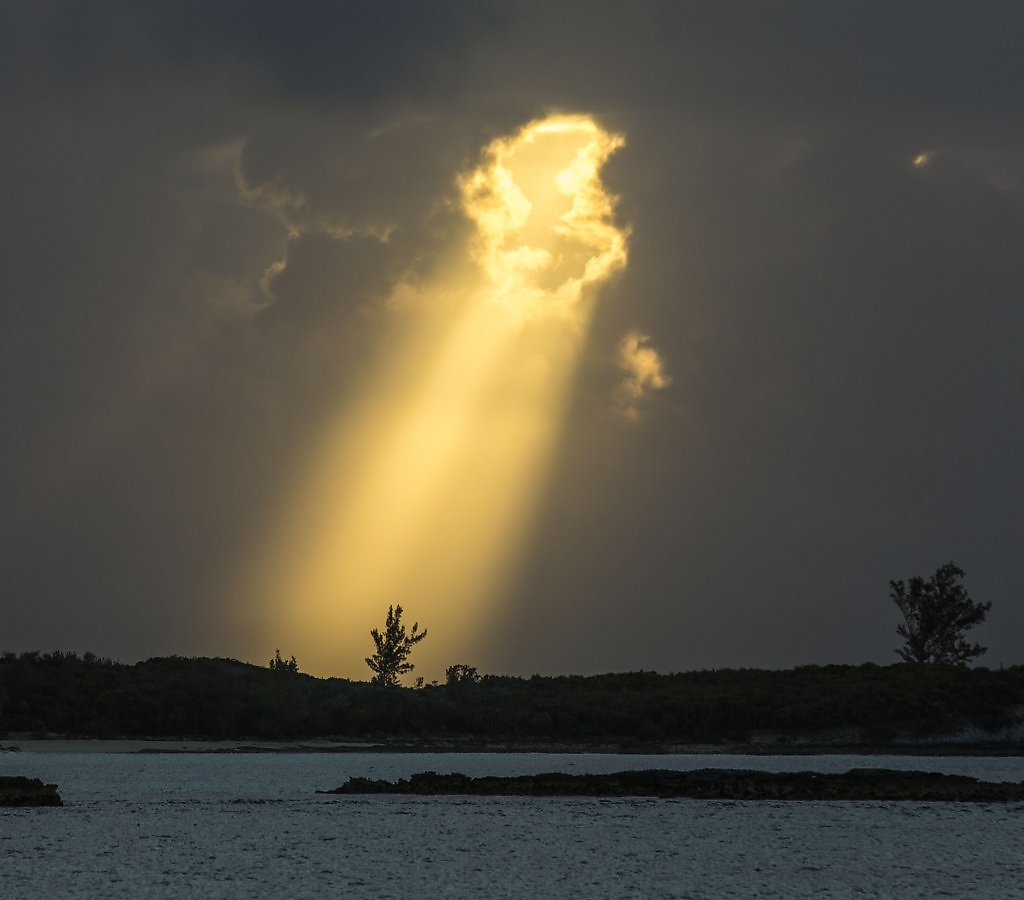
pixel 422 495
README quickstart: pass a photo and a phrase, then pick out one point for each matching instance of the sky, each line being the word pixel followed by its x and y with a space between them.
pixel 276 352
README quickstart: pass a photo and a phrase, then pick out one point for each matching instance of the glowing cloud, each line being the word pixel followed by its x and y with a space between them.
pixel 537 255
pixel 644 372
pixel 422 493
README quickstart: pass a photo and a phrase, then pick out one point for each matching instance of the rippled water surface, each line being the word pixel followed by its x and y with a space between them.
pixel 245 826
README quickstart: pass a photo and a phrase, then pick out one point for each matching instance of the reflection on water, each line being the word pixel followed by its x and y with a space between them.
pixel 243 826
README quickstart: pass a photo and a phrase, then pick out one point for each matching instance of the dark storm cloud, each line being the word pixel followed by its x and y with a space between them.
pixel 152 392
pixel 357 51
pixel 841 328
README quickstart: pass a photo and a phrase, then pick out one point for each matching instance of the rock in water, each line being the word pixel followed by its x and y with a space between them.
pixel 708 784
pixel 20 791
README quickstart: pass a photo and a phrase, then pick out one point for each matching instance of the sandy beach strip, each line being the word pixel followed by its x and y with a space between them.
pixel 81 745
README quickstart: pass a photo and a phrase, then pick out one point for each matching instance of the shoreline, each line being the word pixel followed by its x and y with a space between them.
pixel 166 746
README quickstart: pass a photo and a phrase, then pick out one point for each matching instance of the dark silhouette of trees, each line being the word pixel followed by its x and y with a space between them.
pixel 286 666
pixel 393 649
pixel 937 613
pixel 460 674
pixel 173 697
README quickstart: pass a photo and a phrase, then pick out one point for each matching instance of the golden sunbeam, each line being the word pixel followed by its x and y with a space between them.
pixel 422 495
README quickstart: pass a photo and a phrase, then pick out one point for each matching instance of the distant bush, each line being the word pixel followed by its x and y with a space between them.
pixel 286 666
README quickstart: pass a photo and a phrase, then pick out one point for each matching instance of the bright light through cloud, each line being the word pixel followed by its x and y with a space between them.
pixel 421 495
pixel 545 232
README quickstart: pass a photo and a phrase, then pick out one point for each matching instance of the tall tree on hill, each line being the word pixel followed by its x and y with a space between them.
pixel 393 649
pixel 937 614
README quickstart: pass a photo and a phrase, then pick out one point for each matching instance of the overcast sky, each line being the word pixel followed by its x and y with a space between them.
pixel 826 206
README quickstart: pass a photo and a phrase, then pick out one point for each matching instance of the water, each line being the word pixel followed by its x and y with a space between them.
pixel 252 826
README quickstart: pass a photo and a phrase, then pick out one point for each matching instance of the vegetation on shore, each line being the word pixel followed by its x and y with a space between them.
pixel 202 698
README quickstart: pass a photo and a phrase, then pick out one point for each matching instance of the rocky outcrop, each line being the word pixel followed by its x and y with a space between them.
pixel 19 791
pixel 707 784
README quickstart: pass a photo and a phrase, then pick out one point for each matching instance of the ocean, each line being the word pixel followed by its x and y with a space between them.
pixel 211 825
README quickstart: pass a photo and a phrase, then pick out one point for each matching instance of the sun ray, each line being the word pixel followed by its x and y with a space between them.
pixel 423 494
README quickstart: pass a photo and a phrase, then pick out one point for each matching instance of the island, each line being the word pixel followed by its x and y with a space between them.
pixel 706 784
pixel 904 708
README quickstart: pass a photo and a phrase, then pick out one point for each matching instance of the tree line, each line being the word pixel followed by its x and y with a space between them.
pixel 63 693
pixel 174 697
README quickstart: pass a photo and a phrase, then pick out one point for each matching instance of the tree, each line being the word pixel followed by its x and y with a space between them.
pixel 279 664
pixel 393 649
pixel 937 613
pixel 460 674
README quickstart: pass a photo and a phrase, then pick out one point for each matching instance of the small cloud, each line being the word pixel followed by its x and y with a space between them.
pixel 272 271
pixel 643 372
pixel 1001 172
